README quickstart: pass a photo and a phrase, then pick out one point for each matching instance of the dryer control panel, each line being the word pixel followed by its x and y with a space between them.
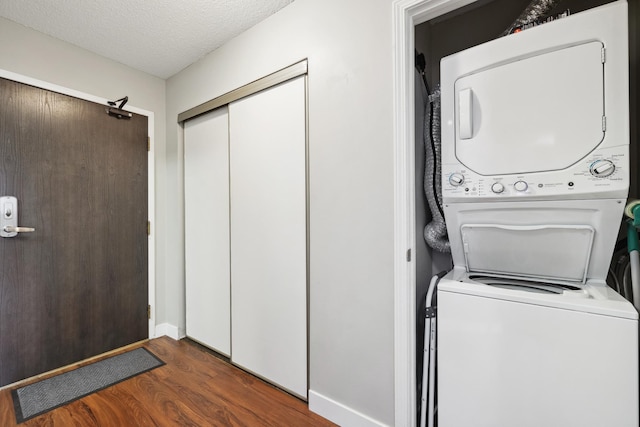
pixel 601 174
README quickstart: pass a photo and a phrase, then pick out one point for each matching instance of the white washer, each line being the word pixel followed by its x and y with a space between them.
pixel 530 358
pixel 535 174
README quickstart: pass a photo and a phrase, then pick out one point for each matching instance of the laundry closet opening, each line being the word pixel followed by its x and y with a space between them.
pixel 447 34
pixel 246 227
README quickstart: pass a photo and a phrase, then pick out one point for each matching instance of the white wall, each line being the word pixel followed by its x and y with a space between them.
pixel 348 46
pixel 38 56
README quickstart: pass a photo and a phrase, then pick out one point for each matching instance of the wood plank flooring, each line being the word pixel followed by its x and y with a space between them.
pixel 194 388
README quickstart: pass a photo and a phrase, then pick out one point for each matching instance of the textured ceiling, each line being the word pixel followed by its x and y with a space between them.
pixel 160 37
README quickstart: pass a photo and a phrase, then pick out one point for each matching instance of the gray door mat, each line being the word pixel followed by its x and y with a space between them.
pixel 37 398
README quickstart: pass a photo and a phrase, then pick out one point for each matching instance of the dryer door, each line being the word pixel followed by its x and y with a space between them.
pixel 535 114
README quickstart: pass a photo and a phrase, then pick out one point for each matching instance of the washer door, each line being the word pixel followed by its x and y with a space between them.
pixel 554 251
pixel 535 114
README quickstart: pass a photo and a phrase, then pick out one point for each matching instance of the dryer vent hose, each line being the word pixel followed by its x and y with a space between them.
pixel 435 232
pixel 537 9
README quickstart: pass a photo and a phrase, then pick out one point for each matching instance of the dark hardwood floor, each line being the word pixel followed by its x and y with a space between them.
pixel 194 388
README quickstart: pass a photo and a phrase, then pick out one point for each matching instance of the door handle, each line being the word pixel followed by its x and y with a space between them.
pixel 465 108
pixel 9 218
pixel 12 229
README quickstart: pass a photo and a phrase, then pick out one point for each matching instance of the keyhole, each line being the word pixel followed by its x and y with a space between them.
pixel 8 213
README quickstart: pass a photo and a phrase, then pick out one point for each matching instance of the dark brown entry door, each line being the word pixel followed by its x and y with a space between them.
pixel 77 286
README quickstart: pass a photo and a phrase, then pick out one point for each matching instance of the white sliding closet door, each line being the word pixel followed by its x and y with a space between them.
pixel 206 181
pixel 268 234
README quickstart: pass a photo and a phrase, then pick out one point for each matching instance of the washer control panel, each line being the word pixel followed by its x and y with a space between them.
pixel 604 173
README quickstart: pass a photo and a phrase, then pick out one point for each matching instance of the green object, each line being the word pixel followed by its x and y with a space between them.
pixel 636 215
pixel 632 236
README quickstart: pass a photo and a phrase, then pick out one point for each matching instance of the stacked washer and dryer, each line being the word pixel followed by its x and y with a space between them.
pixel 535 167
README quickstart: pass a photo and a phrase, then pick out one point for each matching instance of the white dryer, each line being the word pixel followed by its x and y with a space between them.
pixel 535 179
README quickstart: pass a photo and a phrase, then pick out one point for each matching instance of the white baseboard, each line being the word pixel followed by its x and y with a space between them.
pixel 167 329
pixel 339 413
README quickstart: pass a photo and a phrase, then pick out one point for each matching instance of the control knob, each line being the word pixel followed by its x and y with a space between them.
pixel 497 188
pixel 456 179
pixel 520 186
pixel 602 168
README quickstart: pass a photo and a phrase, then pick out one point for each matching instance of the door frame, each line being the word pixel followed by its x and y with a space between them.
pixel 406 15
pixel 150 174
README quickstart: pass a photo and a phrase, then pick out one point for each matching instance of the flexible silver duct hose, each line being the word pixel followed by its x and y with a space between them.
pixel 435 232
pixel 535 10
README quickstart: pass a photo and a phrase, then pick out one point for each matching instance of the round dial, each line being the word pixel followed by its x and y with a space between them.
pixel 497 188
pixel 456 179
pixel 602 168
pixel 520 186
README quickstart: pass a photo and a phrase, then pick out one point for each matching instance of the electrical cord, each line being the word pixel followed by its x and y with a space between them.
pixel 620 271
pixel 613 280
pixel 626 282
